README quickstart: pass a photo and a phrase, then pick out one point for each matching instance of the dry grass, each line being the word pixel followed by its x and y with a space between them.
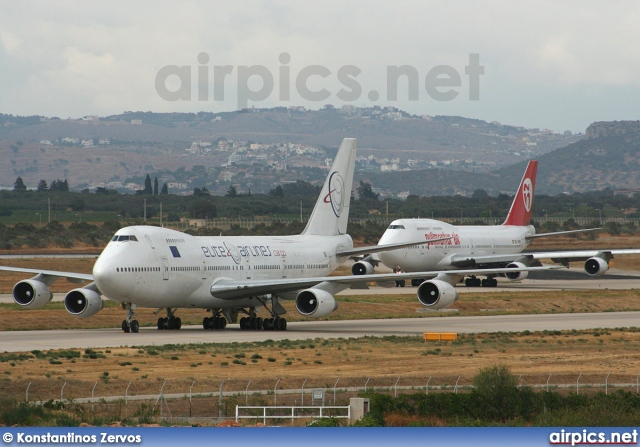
pixel 594 353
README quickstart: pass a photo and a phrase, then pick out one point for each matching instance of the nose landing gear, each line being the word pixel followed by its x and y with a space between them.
pixel 130 325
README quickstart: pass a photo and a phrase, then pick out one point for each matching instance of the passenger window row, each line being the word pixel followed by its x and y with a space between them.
pixel 137 269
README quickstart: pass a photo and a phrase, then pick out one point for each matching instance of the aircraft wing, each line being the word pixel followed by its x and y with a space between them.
pixel 236 289
pixel 565 257
pixel 386 247
pixel 70 276
pixel 560 233
pixel 530 258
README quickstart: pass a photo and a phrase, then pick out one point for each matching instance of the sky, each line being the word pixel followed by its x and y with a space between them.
pixel 559 65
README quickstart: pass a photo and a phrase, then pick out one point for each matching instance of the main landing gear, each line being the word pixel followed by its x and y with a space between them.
pixel 275 323
pixel 267 324
pixel 170 322
pixel 473 281
pixel 217 321
pixel 130 325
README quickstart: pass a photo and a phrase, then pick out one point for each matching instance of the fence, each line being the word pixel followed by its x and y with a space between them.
pixel 292 413
pixel 218 398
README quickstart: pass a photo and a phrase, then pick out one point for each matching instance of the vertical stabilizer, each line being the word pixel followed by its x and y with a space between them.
pixel 520 212
pixel 331 213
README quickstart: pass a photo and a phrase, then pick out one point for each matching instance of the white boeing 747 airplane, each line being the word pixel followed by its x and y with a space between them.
pixel 152 267
pixel 475 247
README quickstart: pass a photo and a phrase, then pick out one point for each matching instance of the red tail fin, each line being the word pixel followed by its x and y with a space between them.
pixel 520 212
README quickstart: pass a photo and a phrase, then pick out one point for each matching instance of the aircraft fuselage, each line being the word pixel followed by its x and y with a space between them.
pixel 159 267
pixel 465 240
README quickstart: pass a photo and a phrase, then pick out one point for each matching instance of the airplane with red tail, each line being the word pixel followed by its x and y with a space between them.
pixel 476 247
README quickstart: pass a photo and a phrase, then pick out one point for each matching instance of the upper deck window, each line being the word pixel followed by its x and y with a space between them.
pixel 396 227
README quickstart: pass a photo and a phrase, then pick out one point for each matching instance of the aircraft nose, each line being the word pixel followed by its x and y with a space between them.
pixel 103 274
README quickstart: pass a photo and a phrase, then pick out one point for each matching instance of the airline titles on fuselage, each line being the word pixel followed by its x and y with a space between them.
pixel 455 238
pixel 237 253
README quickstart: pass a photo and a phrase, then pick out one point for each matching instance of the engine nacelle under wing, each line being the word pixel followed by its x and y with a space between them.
pixel 316 303
pixel 362 268
pixel 31 293
pixel 83 303
pixel 436 294
pixel 596 266
pixel 516 276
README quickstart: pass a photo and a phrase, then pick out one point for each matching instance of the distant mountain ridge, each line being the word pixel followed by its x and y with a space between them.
pixel 604 129
pixel 608 156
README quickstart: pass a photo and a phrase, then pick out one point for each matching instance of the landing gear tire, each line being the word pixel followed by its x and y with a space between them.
pixel 214 323
pixel 490 282
pixel 473 282
pixel 170 321
pixel 129 325
pixel 133 327
pixel 253 323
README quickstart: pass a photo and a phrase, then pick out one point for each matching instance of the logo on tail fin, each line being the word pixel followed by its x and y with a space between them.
pixel 527 187
pixel 335 196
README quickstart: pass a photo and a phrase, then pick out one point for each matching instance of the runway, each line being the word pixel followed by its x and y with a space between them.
pixel 571 279
pixel 21 341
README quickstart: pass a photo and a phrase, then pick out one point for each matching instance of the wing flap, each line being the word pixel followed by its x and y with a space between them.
pixel 235 289
pixel 471 261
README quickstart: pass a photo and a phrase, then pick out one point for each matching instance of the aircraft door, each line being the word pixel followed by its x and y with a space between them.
pixel 146 236
pixel 165 269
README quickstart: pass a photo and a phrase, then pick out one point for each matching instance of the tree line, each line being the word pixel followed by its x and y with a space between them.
pixel 287 199
pixel 497 400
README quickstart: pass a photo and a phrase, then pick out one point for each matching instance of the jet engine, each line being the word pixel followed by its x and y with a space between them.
pixel 516 276
pixel 31 293
pixel 316 303
pixel 362 268
pixel 83 303
pixel 436 294
pixel 596 266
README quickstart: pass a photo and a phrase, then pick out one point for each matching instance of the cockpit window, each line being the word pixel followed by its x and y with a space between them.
pixel 396 227
pixel 122 238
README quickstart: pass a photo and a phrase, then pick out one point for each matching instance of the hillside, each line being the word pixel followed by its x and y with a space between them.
pixel 608 157
pixel 124 148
